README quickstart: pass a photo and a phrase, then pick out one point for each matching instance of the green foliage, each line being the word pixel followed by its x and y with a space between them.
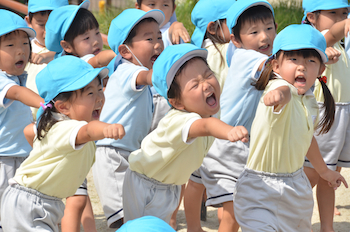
pixel 288 12
pixel 183 14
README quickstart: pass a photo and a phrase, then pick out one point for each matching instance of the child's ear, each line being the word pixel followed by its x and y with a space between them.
pixel 322 68
pixel 275 66
pixel 174 8
pixel 124 52
pixel 235 42
pixel 137 6
pixel 311 17
pixel 27 21
pixel 63 107
pixel 67 47
pixel 211 28
pixel 176 104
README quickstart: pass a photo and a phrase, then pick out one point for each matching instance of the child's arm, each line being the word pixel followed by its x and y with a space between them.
pixel 277 97
pixel 334 178
pixel 96 130
pixel 218 129
pixel 144 78
pixel 177 31
pixel 337 32
pixel 29 133
pixel 102 59
pixel 24 95
pixel 40 58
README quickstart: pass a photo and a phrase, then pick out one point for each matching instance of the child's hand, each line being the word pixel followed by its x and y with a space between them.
pixel 177 31
pixel 238 133
pixel 274 98
pixel 114 131
pixel 37 58
pixel 334 179
pixel 333 55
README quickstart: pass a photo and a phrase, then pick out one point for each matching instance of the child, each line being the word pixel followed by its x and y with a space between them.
pixel 331 20
pixel 281 134
pixel 135 37
pixel 75 30
pixel 172 32
pixel 14 97
pixel 253 29
pixel 64 148
pixel 38 13
pixel 176 148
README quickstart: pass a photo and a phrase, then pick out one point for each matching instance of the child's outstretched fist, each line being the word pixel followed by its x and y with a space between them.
pixel 114 131
pixel 238 133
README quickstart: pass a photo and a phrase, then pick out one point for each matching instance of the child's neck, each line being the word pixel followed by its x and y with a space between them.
pixel 37 42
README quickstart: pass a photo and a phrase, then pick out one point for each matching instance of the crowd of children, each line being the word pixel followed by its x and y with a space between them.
pixel 253 118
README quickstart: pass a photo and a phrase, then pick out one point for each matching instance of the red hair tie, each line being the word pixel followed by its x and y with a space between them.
pixel 323 79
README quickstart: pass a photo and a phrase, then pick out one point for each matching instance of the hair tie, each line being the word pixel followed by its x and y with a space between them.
pixel 48 105
pixel 323 79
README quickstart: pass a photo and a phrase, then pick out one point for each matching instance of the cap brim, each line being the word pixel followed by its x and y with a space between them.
pixel 293 47
pixel 31 32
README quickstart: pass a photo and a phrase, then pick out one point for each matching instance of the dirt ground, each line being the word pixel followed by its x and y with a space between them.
pixel 341 223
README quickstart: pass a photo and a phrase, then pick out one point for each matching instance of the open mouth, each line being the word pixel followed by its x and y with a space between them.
pixel 265 47
pixel 300 79
pixel 211 100
pixel 96 114
pixel 96 51
pixel 153 58
pixel 19 64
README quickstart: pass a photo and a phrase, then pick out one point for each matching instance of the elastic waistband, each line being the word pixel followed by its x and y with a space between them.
pixel 295 174
pixel 152 181
pixel 34 192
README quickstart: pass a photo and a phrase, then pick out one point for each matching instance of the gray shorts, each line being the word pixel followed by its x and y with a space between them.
pixel 108 173
pixel 273 202
pixel 220 170
pixel 26 209
pixel 8 167
pixel 161 108
pixel 82 190
pixel 335 145
pixel 144 196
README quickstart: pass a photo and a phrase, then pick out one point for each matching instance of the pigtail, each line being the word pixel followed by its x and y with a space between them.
pixel 46 120
pixel 326 122
pixel 215 39
pixel 265 77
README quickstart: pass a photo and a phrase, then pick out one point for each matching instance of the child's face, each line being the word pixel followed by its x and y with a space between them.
pixel 200 90
pixel 87 104
pixel 258 36
pixel 298 71
pixel 88 43
pixel 14 52
pixel 167 6
pixel 327 18
pixel 147 44
pixel 38 24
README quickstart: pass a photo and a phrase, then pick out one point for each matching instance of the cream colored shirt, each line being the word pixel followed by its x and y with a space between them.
pixel 338 78
pixel 280 140
pixel 167 154
pixel 214 60
pixel 56 166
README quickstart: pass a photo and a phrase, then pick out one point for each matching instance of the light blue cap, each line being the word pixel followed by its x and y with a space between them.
pixel 169 62
pixel 65 74
pixel 204 12
pixel 146 224
pixel 12 22
pixel 239 7
pixel 58 24
pixel 122 25
pixel 43 5
pixel 313 5
pixel 300 36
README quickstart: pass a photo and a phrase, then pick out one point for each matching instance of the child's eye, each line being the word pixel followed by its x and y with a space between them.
pixel 97 32
pixel 166 5
pixel 149 39
pixel 151 5
pixel 312 61
pixel 9 45
pixel 270 28
pixel 87 38
pixel 159 37
pixel 253 32
pixel 41 25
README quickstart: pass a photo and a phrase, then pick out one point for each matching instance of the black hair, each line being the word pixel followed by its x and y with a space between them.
pixel 83 21
pixel 16 31
pixel 327 120
pixel 174 90
pixel 133 32
pixel 215 39
pixel 139 2
pixel 252 15
pixel 46 119
pixel 44 12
